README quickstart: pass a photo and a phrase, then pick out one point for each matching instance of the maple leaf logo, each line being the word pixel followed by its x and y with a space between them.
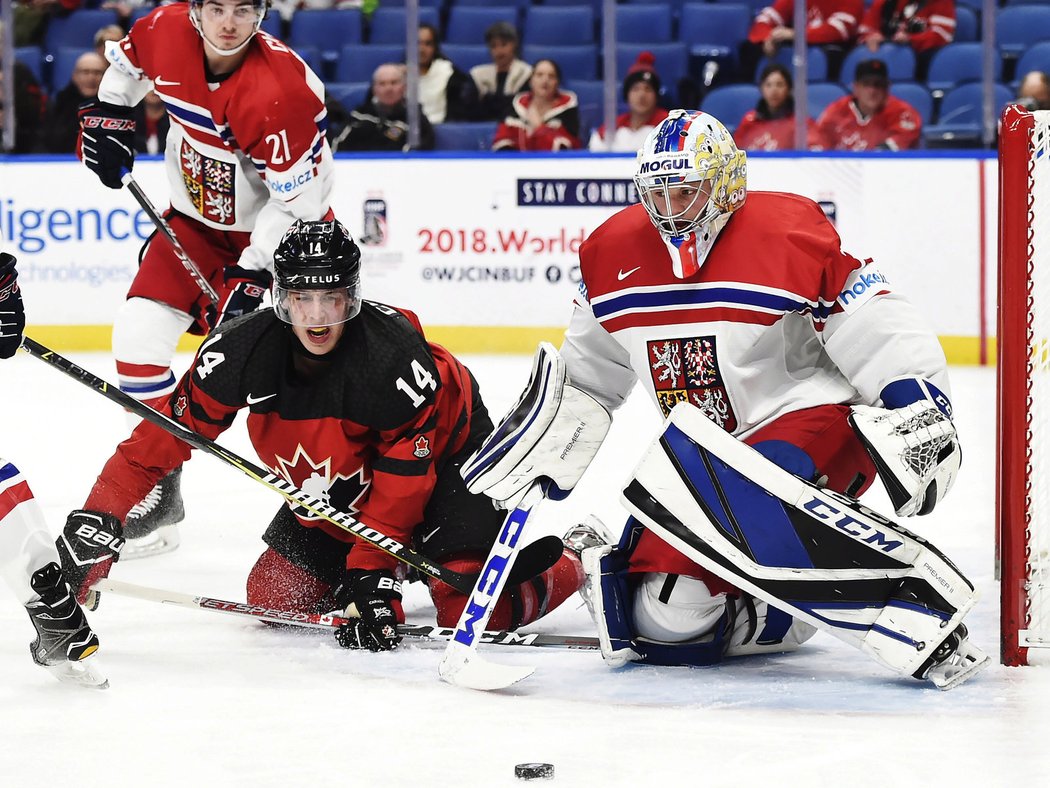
pixel 422 447
pixel 341 491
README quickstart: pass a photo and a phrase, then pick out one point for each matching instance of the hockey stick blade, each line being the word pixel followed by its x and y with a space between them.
pixel 419 632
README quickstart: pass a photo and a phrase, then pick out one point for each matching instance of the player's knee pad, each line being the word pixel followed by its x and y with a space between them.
pixel 147 332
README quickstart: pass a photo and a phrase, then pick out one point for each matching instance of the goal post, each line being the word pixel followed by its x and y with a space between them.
pixel 1023 391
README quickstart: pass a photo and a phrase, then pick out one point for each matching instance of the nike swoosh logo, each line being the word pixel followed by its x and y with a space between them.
pixel 427 537
pixel 624 274
pixel 162 81
pixel 254 400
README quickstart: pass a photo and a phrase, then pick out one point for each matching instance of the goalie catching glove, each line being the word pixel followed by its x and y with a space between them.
pixel 371 598
pixel 913 444
pixel 552 434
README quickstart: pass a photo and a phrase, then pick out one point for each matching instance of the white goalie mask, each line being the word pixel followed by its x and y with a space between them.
pixel 690 178
pixel 256 9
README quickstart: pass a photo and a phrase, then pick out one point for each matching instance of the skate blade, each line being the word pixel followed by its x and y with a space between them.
pixel 85 673
pixel 952 674
pixel 164 540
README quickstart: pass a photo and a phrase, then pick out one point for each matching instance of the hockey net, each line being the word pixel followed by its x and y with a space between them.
pixel 1023 459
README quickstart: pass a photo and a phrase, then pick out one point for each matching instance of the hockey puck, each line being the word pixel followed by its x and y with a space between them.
pixel 534 771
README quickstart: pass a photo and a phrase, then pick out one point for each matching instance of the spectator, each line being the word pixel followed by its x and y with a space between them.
pixel 499 81
pixel 151 124
pixel 30 106
pixel 771 124
pixel 446 92
pixel 641 91
pixel 106 34
pixel 380 123
pixel 1034 92
pixel 924 25
pixel 830 24
pixel 543 118
pixel 63 120
pixel 31 18
pixel 870 118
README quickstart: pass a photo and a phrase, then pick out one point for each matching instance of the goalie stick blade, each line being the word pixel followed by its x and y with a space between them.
pixel 469 670
pixel 534 559
pixel 85 673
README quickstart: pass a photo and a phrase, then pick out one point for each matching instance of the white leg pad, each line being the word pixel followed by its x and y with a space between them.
pixel 26 544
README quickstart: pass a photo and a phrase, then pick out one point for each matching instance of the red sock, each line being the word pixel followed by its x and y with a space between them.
pixel 276 582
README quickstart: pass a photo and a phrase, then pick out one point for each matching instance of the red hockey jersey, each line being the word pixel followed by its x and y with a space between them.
pixel 754 133
pixel 842 127
pixel 827 21
pixel 928 24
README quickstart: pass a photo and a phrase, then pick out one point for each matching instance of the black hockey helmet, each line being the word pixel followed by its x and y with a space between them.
pixel 317 256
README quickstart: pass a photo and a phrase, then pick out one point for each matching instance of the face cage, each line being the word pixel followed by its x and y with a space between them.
pixel 282 304
pixel 665 223
pixel 260 6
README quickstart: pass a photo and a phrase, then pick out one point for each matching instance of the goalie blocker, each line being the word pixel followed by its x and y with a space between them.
pixel 804 557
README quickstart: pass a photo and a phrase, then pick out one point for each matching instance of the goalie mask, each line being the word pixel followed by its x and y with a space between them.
pixel 690 178
pixel 214 12
pixel 317 275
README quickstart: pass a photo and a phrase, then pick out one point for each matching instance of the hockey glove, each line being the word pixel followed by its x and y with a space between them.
pixel 12 314
pixel 107 140
pixel 246 290
pixel 372 599
pixel 89 546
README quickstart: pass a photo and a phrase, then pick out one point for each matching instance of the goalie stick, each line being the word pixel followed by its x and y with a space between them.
pixel 458 580
pixel 165 229
pixel 420 632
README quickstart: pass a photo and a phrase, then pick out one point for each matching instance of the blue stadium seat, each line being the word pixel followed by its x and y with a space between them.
pixel 643 24
pixel 32 58
pixel 1018 27
pixel 672 60
pixel 311 55
pixel 816 63
pixel 730 103
pixel 575 62
pixel 899 60
pixel 521 5
pixel 466 56
pixel 62 68
pixel 468 25
pixel 146 10
pixel 966 24
pixel 1035 58
pixel 272 24
pixel 820 94
pixel 349 94
pixel 76 31
pixel 388 24
pixel 1011 2
pixel 327 29
pixel 960 118
pixel 434 5
pixel 918 96
pixel 567 25
pixel 464 136
pixel 714 31
pixel 957 63
pixel 357 62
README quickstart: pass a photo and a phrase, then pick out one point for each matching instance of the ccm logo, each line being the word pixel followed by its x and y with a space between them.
pixel 109 124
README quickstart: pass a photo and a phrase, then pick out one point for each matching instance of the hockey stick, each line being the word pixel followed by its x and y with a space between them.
pixel 165 229
pixel 419 632
pixel 458 580
pixel 461 664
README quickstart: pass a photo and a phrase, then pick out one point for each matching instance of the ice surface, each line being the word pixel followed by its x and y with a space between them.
pixel 203 699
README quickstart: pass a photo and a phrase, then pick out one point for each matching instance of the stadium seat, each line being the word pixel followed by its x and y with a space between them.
pixel 816 63
pixel 388 24
pixel 311 55
pixel 62 67
pixel 464 136
pixel 32 58
pixel 643 24
pixel 714 31
pixel 918 96
pixel 820 94
pixel 349 94
pixel 1018 27
pixel 567 25
pixel 466 56
pixel 576 62
pixel 357 62
pixel 76 31
pixel 730 103
pixel 957 63
pixel 327 29
pixel 434 5
pixel 960 118
pixel 966 25
pixel 1035 58
pixel 272 24
pixel 521 5
pixel 672 60
pixel 899 60
pixel 468 25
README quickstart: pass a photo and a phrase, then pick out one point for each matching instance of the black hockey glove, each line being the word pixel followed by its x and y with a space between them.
pixel 89 546
pixel 12 314
pixel 107 140
pixel 372 599
pixel 246 290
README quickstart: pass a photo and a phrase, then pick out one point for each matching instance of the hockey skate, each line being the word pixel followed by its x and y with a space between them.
pixel 590 533
pixel 64 641
pixel 954 661
pixel 150 527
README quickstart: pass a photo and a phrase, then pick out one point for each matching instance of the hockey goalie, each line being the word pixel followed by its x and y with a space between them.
pixel 791 374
